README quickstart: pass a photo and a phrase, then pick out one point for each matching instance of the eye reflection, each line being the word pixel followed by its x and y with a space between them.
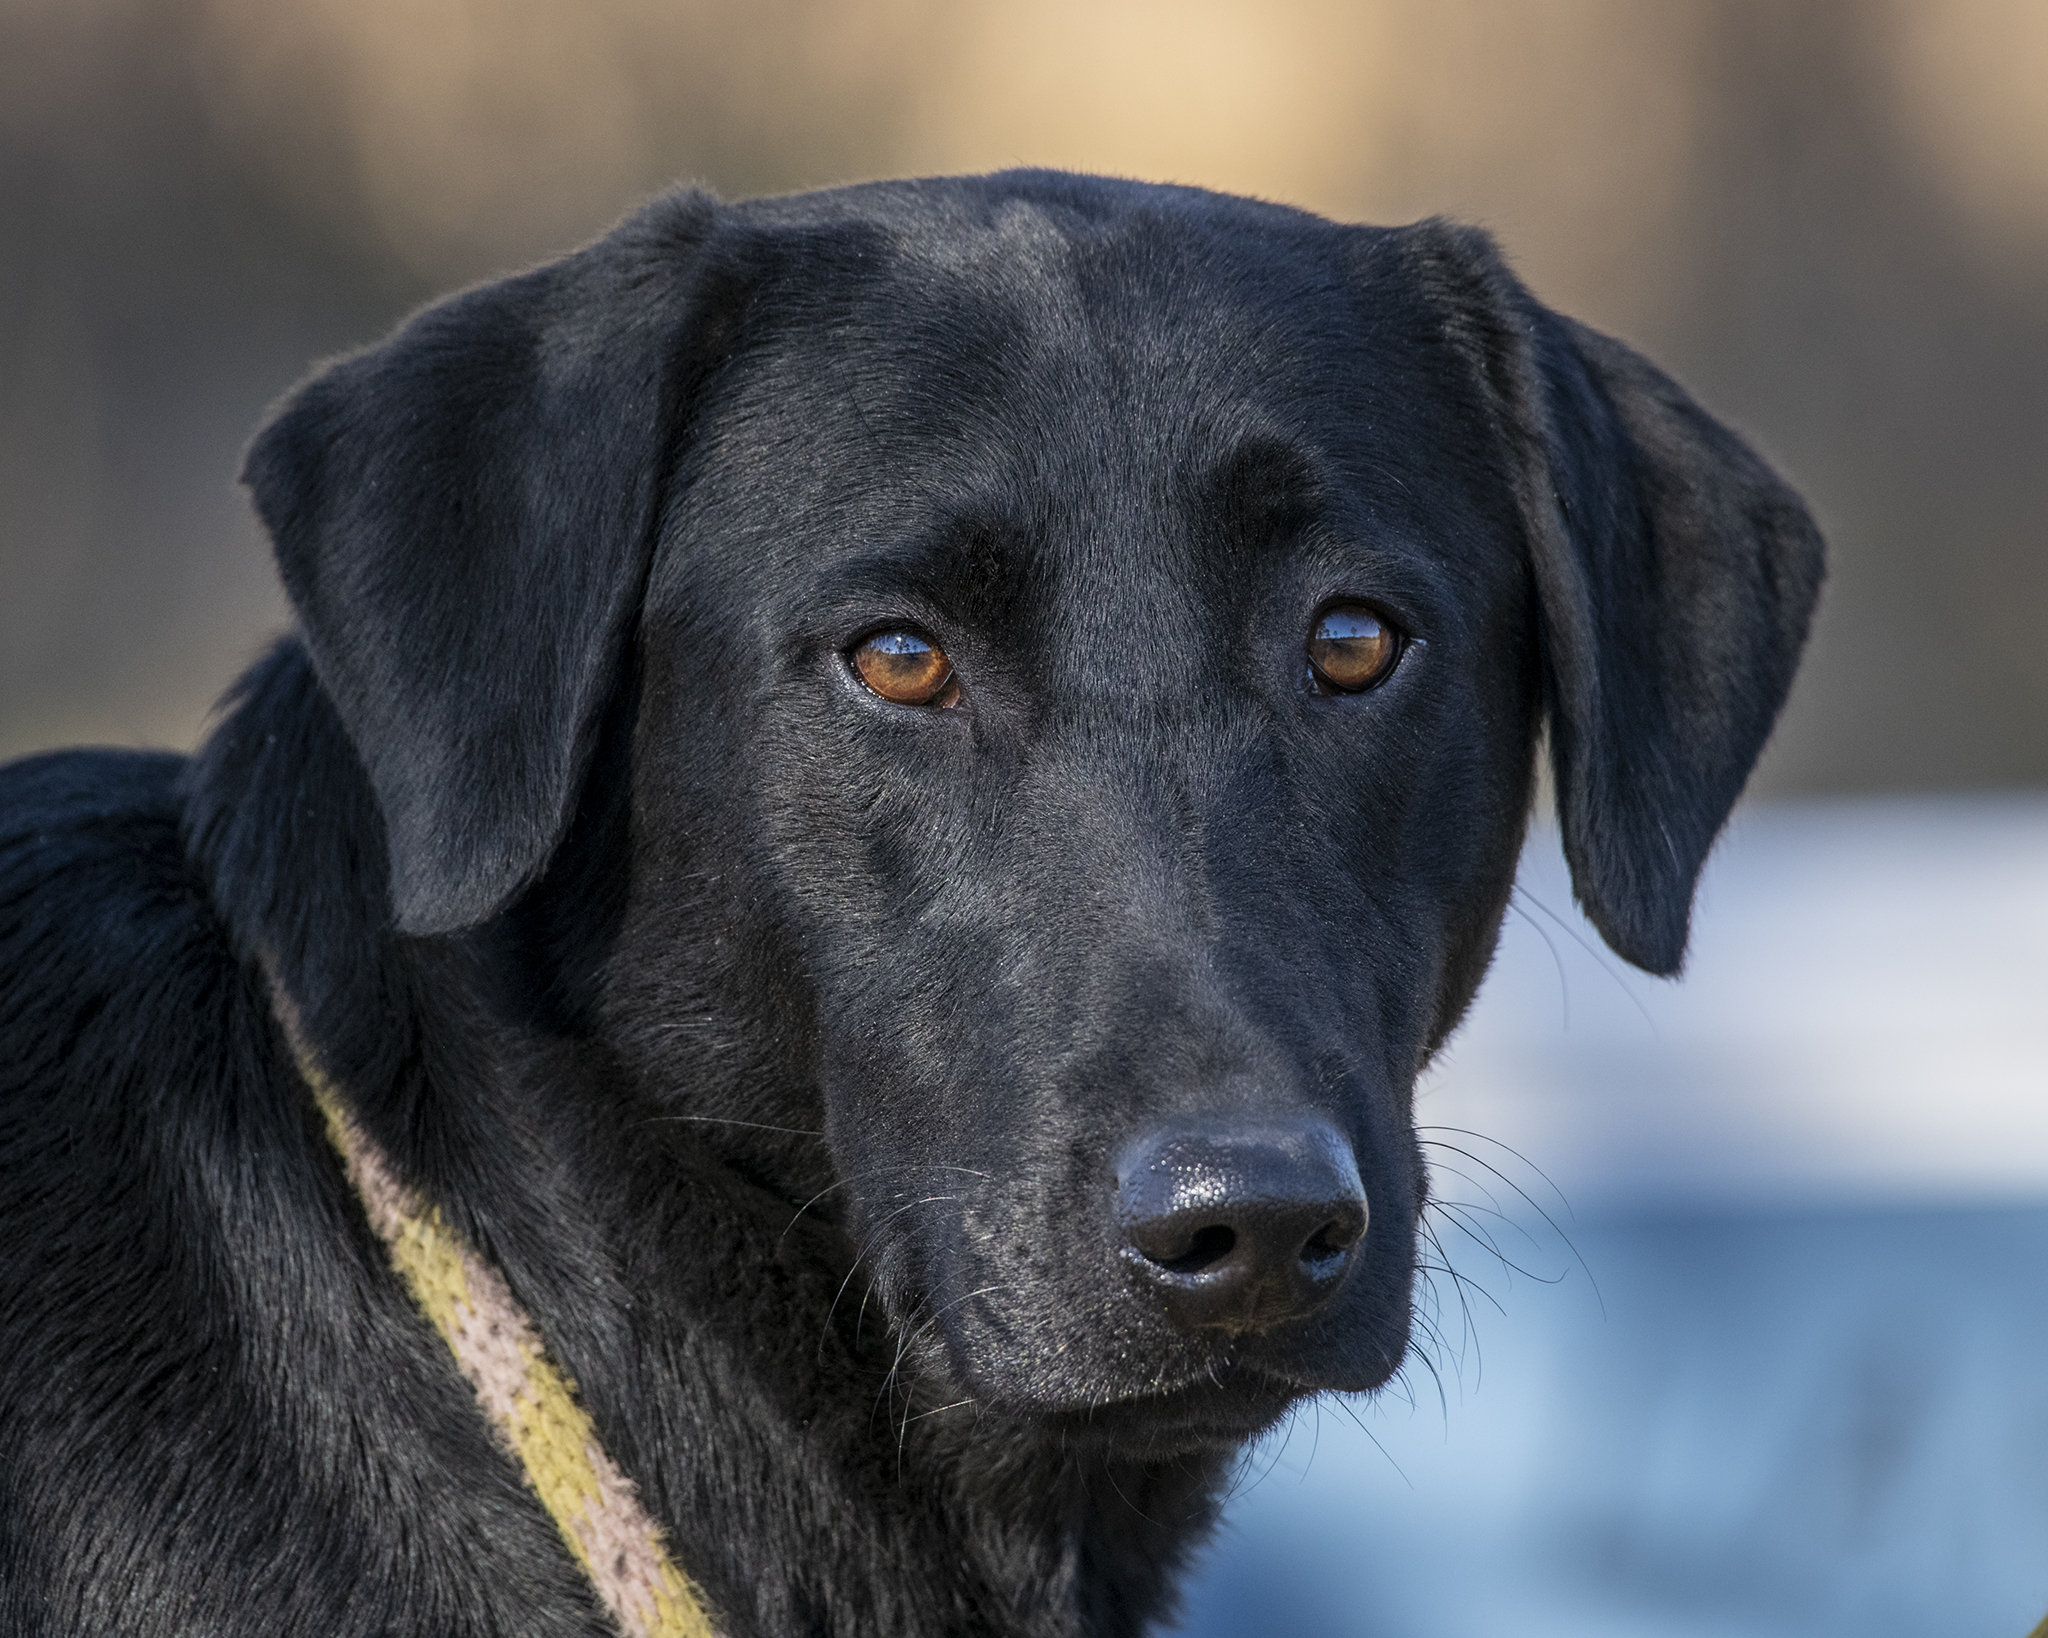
pixel 1352 648
pixel 907 669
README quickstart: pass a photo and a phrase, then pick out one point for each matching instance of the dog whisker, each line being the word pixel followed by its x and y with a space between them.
pixel 913 1331
pixel 1598 956
pixel 1564 991
pixel 728 1120
pixel 1109 1473
pixel 1456 1217
pixel 877 1171
pixel 936 1409
pixel 1441 1170
pixel 874 1233
pixel 1527 1199
pixel 1481 1137
pixel 1343 1403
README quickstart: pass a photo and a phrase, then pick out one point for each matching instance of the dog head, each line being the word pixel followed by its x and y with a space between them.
pixel 1039 679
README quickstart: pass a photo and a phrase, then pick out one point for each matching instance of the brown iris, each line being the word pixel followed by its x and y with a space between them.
pixel 906 668
pixel 1351 648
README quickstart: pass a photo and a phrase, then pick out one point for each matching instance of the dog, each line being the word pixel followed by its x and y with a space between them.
pixel 874 804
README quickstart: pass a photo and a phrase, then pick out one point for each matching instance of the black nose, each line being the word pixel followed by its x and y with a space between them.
pixel 1241 1227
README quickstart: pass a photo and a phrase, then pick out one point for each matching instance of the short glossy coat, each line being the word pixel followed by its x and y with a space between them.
pixel 778 1041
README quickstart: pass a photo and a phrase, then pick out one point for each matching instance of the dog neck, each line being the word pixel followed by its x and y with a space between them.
pixel 532 1410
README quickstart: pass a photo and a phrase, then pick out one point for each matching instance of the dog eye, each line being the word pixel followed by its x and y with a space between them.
pixel 1352 648
pixel 904 667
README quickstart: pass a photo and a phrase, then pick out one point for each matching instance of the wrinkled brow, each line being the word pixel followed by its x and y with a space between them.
pixel 967 569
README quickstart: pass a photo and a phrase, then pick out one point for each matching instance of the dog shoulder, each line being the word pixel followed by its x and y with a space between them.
pixel 107 940
pixel 204 1364
pixel 118 1002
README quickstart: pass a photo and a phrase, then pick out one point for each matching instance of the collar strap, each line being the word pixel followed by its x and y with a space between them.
pixel 530 1405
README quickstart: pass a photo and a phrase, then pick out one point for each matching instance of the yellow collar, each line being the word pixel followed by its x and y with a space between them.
pixel 530 1405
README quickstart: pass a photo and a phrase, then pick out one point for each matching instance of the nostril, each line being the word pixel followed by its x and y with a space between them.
pixel 1208 1247
pixel 1333 1240
pixel 1321 1247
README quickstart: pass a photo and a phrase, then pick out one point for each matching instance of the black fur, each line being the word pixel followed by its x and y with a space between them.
pixel 773 1039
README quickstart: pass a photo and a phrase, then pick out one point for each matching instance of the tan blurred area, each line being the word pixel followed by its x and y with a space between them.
pixel 1830 219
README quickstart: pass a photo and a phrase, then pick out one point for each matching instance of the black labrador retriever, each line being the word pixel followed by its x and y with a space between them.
pixel 876 802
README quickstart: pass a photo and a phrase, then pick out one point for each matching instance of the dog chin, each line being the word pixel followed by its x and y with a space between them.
pixel 1213 1408
pixel 1237 1385
pixel 1206 1417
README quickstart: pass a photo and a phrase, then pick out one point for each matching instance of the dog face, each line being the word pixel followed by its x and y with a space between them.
pixel 1072 654
pixel 1146 878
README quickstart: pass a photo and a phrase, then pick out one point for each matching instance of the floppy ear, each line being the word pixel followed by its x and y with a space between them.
pixel 463 517
pixel 1675 573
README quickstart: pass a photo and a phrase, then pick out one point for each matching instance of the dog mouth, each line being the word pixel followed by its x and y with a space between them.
pixel 1209 1394
pixel 1217 1412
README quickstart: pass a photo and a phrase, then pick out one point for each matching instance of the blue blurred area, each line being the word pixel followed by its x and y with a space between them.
pixel 1828 1423
pixel 1772 1356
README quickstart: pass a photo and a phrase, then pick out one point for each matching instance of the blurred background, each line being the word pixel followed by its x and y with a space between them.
pixel 1782 1368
